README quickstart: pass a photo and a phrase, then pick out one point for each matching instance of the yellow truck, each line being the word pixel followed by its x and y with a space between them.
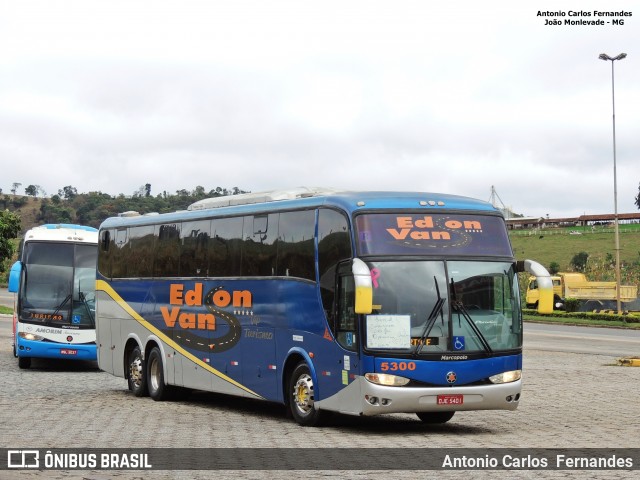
pixel 576 285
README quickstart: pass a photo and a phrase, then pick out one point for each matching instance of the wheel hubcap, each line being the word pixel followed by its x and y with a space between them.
pixel 135 371
pixel 303 394
pixel 154 374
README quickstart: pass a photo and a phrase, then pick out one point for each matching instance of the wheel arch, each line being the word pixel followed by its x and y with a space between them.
pixel 155 342
pixel 294 357
pixel 131 343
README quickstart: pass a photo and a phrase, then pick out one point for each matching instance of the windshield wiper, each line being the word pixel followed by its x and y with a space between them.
pixel 458 306
pixel 86 305
pixel 59 307
pixel 431 320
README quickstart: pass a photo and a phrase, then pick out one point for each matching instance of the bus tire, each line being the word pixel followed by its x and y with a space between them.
pixel 136 375
pixel 24 362
pixel 434 418
pixel 302 397
pixel 155 377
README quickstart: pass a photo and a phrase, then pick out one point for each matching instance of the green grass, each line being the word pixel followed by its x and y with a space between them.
pixel 547 246
pixel 558 246
pixel 567 319
pixel 6 310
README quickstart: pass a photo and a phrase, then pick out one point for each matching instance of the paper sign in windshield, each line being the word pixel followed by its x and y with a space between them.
pixel 388 331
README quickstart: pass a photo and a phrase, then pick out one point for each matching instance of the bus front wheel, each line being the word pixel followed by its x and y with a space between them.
pixel 137 377
pixel 302 397
pixel 24 362
pixel 433 418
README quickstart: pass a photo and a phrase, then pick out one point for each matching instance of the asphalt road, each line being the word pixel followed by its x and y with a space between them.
pixel 614 342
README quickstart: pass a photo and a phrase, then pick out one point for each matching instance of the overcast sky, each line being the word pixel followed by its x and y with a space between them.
pixel 449 97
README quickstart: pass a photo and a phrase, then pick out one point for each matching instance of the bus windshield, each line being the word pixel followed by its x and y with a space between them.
pixel 59 285
pixel 431 307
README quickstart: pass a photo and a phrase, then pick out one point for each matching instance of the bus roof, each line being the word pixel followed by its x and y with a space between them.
pixel 62 232
pixel 349 201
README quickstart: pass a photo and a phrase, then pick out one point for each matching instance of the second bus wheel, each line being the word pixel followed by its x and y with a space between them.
pixel 136 375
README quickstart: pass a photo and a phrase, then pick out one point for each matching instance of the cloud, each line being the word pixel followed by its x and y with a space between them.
pixel 362 95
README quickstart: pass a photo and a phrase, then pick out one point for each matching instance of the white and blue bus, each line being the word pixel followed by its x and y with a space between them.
pixel 54 283
pixel 363 303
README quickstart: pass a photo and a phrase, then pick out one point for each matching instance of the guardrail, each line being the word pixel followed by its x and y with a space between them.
pixel 553 231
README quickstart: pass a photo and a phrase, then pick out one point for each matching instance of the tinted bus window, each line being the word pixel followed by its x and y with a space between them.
pixel 50 274
pixel 296 244
pixel 334 245
pixel 167 259
pixel 107 245
pixel 120 254
pixel 194 249
pixel 259 249
pixel 225 247
pixel 141 241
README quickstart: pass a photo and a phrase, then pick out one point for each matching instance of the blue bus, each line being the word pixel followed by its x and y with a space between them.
pixel 363 303
pixel 54 283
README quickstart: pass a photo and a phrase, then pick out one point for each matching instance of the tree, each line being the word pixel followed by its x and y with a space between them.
pixel 31 190
pixel 579 261
pixel 9 228
pixel 68 192
pixel 554 268
pixel 638 197
pixel 14 187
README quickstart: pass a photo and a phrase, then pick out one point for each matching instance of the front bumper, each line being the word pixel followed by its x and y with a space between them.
pixel 362 397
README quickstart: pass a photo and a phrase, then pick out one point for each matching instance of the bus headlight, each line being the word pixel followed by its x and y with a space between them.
pixel 30 336
pixel 506 377
pixel 386 379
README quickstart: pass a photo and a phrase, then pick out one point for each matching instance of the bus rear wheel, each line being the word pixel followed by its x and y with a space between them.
pixel 302 397
pixel 155 376
pixel 434 418
pixel 136 374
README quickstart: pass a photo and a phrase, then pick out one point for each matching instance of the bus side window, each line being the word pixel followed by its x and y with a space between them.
pixel 194 248
pixel 296 245
pixel 120 254
pixel 259 248
pixel 106 247
pixel 345 325
pixel 225 247
pixel 334 245
pixel 142 241
pixel 167 257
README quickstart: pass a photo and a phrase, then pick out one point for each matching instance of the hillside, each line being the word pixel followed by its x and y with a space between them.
pixel 560 246
pixel 28 212
pixel 94 207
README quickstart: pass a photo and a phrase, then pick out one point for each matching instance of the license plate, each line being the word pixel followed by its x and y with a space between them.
pixel 68 351
pixel 450 399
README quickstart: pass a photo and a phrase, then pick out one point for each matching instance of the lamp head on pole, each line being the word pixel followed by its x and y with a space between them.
pixel 604 56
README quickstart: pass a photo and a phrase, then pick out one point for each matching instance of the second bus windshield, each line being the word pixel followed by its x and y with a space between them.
pixel 59 284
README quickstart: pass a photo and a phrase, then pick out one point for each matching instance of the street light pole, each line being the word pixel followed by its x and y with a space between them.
pixel 604 56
